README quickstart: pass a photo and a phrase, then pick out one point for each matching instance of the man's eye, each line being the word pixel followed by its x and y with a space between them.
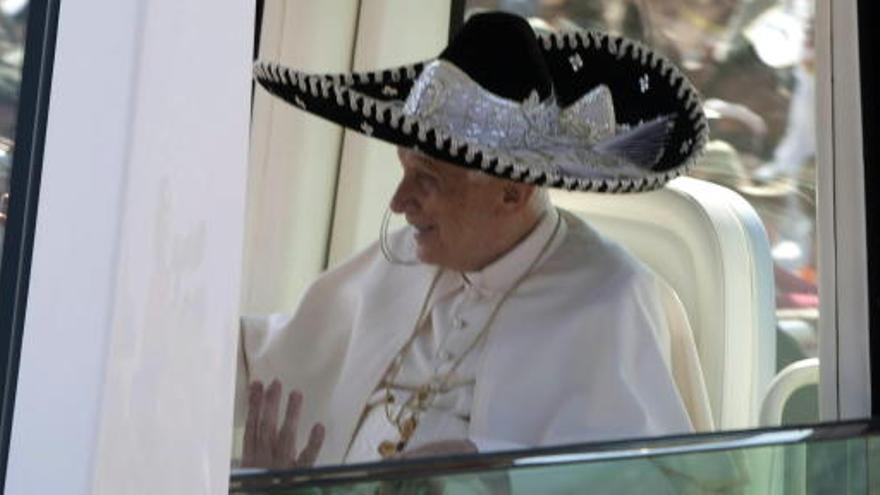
pixel 428 181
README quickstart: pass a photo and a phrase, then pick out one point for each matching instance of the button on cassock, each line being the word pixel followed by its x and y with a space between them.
pixel 458 323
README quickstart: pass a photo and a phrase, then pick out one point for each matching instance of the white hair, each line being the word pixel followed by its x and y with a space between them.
pixel 540 200
pixel 479 177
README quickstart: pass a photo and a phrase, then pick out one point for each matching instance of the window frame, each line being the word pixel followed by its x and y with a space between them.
pixel 870 79
pixel 844 385
pixel 32 114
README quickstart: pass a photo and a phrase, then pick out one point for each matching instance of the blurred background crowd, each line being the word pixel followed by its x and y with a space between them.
pixel 13 17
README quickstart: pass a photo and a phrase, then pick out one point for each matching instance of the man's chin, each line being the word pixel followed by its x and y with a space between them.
pixel 427 255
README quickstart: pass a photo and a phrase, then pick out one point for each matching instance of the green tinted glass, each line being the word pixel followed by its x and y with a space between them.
pixel 829 459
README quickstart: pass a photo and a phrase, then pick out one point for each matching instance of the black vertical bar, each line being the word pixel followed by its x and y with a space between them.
pixel 258 28
pixel 258 33
pixel 456 17
pixel 24 187
pixel 869 42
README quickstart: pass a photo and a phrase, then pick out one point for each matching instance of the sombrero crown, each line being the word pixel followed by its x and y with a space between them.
pixel 579 110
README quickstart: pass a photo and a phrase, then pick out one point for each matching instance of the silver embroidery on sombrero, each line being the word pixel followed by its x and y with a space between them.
pixel 581 140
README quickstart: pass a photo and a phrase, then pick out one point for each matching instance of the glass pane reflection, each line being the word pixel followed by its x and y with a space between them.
pixel 753 62
pixel 13 17
pixel 826 459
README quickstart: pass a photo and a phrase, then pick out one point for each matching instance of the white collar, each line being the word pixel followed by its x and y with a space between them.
pixel 499 275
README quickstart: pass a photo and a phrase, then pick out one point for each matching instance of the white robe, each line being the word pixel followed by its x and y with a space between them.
pixel 580 352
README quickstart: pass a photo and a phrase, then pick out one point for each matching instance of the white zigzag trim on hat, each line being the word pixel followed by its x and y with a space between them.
pixel 503 167
pixel 367 109
pixel 339 93
pixel 469 155
pixel 611 47
pixel 396 115
pixel 485 161
pixel 621 50
pixel 439 138
pixel 407 124
pixel 533 176
pixel 382 76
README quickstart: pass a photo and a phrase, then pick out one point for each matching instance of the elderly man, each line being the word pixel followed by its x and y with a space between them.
pixel 494 320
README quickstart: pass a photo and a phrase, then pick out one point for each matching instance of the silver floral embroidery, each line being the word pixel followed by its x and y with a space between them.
pixel 644 83
pixel 538 133
pixel 367 129
pixel 576 62
pixel 298 102
pixel 389 91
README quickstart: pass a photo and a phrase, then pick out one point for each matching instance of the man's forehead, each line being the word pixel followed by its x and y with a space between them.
pixel 423 161
pixel 428 162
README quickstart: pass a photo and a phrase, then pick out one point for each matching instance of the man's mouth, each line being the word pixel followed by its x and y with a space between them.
pixel 423 230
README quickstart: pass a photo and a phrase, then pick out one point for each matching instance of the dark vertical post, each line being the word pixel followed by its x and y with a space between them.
pixel 258 27
pixel 258 32
pixel 456 17
pixel 869 41
pixel 24 188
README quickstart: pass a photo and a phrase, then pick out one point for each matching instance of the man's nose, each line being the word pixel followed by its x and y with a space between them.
pixel 404 198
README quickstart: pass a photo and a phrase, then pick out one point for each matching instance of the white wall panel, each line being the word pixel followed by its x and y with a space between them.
pixel 166 414
pixel 128 363
pixel 294 156
pixel 72 283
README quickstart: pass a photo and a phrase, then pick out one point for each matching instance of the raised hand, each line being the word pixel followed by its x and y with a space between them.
pixel 268 446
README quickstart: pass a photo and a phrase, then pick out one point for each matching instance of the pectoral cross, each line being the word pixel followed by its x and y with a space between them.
pixel 390 448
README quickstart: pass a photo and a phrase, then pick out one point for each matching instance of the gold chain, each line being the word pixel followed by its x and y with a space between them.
pixel 423 395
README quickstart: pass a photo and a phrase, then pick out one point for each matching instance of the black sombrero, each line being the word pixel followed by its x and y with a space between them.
pixel 579 110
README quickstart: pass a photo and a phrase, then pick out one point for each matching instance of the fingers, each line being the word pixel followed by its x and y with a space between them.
pixel 310 453
pixel 285 447
pixel 255 400
pixel 268 425
pixel 267 446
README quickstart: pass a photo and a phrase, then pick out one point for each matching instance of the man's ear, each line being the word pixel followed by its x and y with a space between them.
pixel 516 195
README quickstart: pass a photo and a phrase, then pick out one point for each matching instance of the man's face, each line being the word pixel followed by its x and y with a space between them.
pixel 454 215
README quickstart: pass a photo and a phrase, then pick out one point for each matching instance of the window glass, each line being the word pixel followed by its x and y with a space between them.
pixel 13 17
pixel 753 63
pixel 768 461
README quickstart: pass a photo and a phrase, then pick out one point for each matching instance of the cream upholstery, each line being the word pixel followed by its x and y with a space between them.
pixel 709 244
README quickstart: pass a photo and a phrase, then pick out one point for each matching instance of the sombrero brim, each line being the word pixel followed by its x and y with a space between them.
pixel 645 85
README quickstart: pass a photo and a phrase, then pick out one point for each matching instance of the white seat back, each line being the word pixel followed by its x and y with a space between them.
pixel 708 243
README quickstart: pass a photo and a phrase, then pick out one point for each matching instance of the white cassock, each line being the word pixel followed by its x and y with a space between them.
pixel 579 352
